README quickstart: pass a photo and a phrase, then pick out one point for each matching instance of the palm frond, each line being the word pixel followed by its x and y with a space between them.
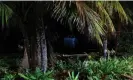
pixel 82 15
pixel 96 16
pixel 122 15
pixel 105 16
pixel 5 13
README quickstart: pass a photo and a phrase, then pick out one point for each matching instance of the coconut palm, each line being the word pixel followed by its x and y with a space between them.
pixel 97 17
pixel 91 18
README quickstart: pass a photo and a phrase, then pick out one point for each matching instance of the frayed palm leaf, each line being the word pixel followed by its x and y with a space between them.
pixel 94 16
pixel 5 13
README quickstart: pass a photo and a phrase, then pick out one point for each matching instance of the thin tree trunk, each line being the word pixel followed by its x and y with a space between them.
pixel 38 50
pixel 41 46
pixel 42 50
pixel 43 53
pixel 105 47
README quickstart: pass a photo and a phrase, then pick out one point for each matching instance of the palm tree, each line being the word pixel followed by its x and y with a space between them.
pixel 91 18
pixel 97 17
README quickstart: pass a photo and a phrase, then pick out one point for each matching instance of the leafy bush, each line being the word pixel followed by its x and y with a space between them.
pixel 96 70
pixel 9 76
pixel 106 69
pixel 37 75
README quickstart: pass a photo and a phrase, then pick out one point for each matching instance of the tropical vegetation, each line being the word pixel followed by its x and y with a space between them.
pixel 98 20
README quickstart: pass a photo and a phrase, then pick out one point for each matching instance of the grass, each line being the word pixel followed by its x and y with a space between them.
pixel 102 69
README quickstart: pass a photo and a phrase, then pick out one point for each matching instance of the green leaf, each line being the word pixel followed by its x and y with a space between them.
pixel 23 76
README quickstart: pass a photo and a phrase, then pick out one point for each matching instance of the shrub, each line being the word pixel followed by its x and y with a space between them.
pixel 37 75
pixel 105 69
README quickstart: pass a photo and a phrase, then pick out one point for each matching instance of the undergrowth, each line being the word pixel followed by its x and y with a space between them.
pixel 103 69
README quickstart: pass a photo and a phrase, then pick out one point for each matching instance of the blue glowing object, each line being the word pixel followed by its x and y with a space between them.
pixel 70 42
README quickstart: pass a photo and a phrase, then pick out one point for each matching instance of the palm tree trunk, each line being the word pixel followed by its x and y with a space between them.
pixel 43 44
pixel 25 60
pixel 105 47
pixel 43 52
pixel 41 49
pixel 24 63
pixel 38 49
